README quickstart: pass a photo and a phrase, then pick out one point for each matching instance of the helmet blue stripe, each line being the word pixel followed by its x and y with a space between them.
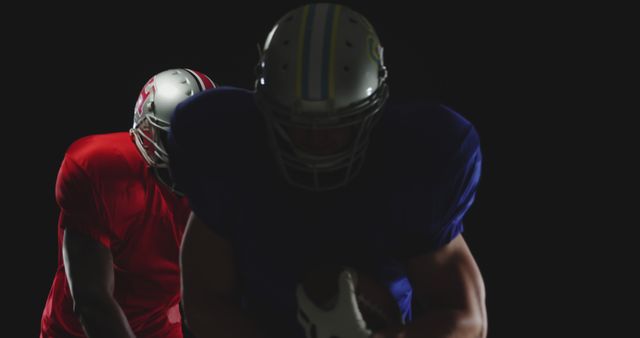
pixel 307 50
pixel 327 48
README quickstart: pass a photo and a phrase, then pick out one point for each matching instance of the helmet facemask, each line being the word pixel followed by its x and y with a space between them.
pixel 319 172
pixel 150 136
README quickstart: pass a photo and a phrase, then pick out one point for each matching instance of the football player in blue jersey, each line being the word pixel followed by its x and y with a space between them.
pixel 315 167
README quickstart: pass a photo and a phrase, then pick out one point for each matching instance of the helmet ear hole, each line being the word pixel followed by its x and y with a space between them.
pixel 382 72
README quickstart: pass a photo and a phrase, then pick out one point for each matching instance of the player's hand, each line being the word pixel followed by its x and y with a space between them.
pixel 344 320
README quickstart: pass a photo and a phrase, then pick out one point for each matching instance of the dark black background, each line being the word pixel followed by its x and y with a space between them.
pixel 79 71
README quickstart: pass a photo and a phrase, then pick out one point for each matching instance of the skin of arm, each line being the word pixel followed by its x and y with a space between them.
pixel 447 283
pixel 89 270
pixel 209 292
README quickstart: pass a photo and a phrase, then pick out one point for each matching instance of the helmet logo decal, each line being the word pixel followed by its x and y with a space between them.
pixel 375 50
pixel 149 87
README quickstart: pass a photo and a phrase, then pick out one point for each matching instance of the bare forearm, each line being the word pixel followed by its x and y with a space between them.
pixel 220 321
pixel 104 318
pixel 449 286
pixel 441 324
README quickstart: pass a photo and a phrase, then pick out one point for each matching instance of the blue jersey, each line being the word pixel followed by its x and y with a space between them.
pixel 418 180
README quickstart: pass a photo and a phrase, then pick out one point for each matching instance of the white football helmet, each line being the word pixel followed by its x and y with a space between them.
pixel 321 70
pixel 156 103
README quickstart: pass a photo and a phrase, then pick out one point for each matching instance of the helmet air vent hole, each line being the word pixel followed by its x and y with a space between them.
pixel 289 18
pixel 346 68
pixel 352 20
pixel 285 42
pixel 285 66
pixel 349 44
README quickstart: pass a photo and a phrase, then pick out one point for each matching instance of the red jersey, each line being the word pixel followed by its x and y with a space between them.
pixel 106 191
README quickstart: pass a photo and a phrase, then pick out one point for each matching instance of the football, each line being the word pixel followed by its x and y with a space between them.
pixel 378 307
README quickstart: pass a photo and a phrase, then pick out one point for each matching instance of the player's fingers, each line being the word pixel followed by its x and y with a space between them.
pixel 346 284
pixel 304 321
pixel 304 303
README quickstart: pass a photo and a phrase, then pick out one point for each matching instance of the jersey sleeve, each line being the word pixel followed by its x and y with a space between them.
pixel 80 205
pixel 192 167
pixel 451 194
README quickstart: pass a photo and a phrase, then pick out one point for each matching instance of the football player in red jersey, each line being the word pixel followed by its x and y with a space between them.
pixel 121 224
